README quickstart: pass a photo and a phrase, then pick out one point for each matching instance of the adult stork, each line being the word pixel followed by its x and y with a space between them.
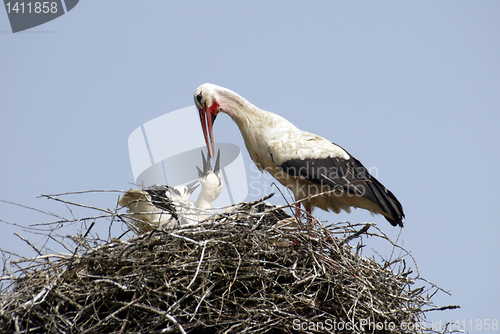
pixel 318 172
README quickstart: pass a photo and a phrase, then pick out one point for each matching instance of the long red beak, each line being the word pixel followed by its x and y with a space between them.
pixel 207 118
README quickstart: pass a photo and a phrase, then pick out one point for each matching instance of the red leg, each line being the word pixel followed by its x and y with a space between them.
pixel 297 210
pixel 309 215
pixel 308 207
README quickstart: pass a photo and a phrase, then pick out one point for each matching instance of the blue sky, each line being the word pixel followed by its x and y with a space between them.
pixel 411 89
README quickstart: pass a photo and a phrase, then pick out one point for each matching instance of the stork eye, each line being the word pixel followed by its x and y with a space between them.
pixel 199 97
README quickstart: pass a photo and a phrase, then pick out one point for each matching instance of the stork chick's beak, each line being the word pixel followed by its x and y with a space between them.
pixel 207 118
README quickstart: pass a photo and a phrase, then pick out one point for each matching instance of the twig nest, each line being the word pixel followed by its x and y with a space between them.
pixel 252 270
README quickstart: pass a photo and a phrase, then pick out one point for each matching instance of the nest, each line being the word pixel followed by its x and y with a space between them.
pixel 254 269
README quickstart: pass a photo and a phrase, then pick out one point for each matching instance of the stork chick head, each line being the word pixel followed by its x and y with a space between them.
pixel 181 194
pixel 211 182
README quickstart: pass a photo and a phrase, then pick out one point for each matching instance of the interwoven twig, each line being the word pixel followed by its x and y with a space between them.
pixel 242 271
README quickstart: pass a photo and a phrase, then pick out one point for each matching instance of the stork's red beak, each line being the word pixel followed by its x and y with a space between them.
pixel 207 118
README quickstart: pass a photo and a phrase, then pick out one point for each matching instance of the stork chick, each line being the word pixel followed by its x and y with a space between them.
pixel 211 183
pixel 159 204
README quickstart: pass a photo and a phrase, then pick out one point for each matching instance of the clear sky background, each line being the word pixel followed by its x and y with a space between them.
pixel 411 89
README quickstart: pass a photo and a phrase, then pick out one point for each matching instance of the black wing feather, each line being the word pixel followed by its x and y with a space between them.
pixel 160 200
pixel 349 175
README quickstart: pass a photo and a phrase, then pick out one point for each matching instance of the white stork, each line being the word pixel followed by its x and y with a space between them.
pixel 318 172
pixel 211 183
pixel 159 204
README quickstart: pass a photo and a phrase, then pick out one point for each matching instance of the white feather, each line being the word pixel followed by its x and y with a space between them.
pixel 271 141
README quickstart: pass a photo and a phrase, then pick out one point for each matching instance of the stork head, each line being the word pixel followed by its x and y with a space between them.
pixel 210 101
pixel 205 98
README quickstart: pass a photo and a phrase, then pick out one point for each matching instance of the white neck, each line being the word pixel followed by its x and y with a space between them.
pixel 203 202
pixel 254 123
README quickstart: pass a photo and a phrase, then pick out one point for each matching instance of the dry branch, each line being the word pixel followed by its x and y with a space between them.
pixel 253 269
